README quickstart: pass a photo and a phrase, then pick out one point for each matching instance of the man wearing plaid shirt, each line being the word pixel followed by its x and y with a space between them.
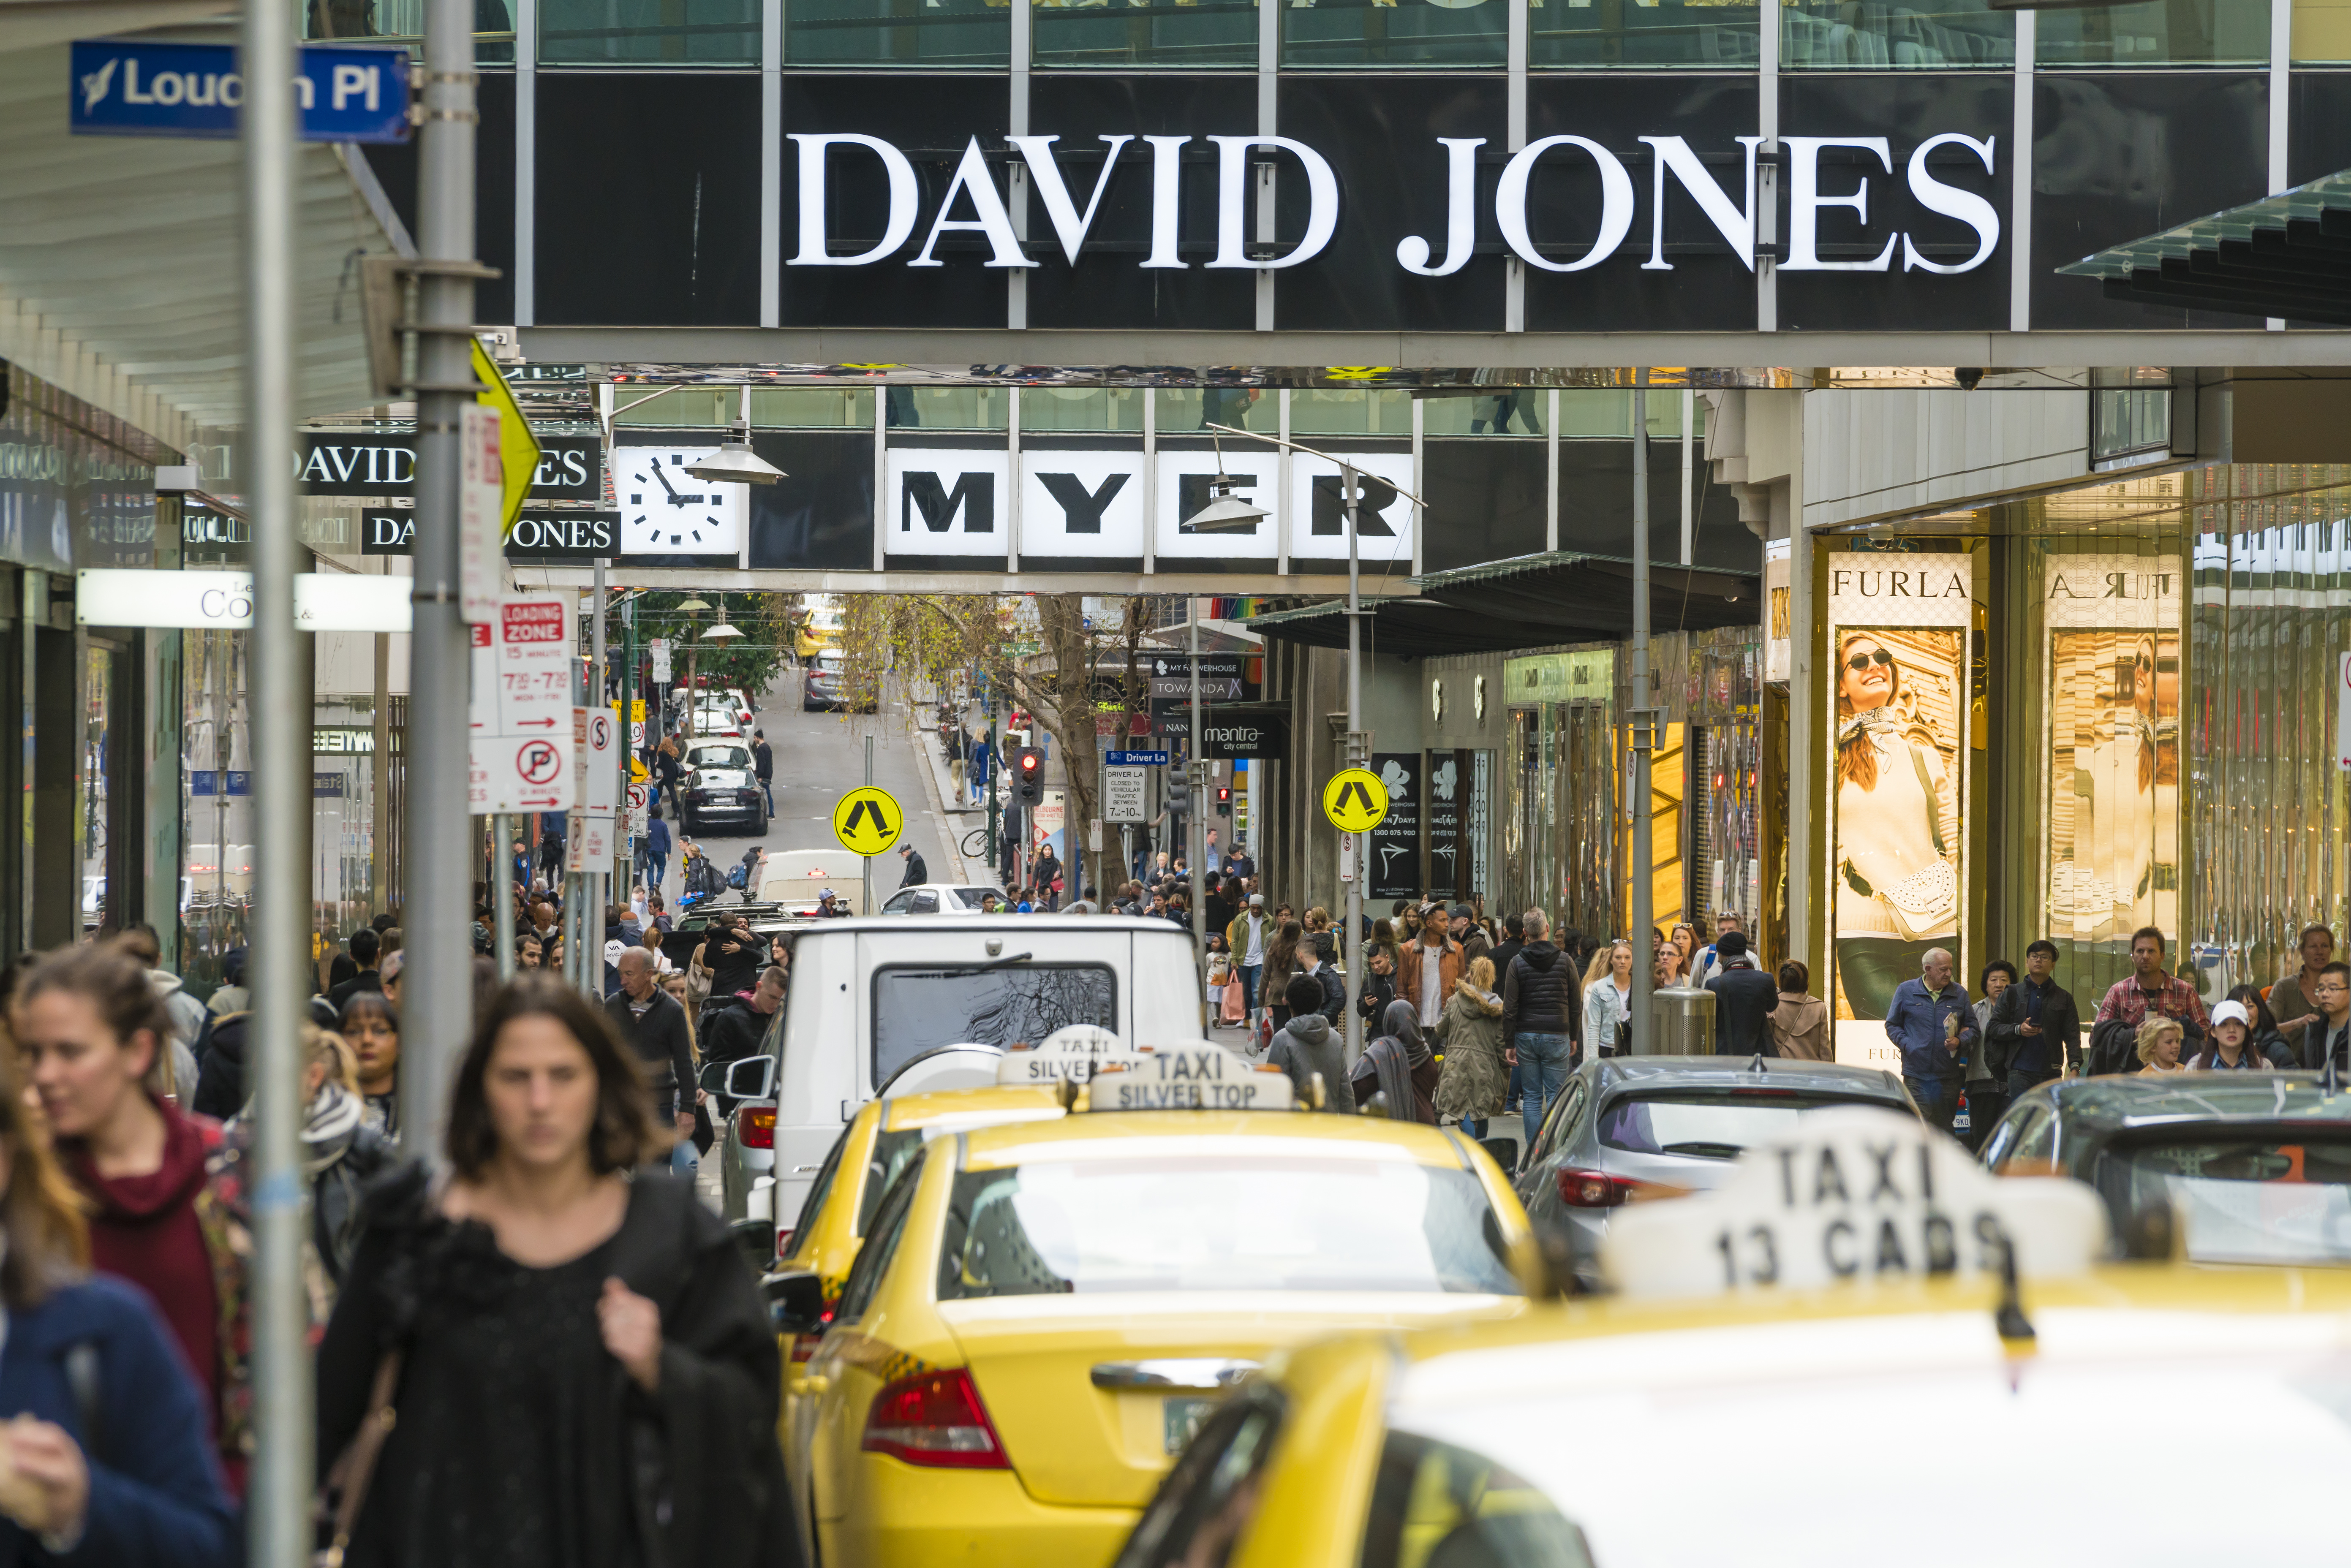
pixel 2151 990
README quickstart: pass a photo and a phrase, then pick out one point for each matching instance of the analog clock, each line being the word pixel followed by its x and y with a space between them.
pixel 664 510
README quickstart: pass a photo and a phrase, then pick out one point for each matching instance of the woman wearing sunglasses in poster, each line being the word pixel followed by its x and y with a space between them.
pixel 1897 886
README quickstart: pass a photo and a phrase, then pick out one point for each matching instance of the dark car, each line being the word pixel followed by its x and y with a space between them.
pixel 1626 1123
pixel 2228 1168
pixel 825 683
pixel 724 797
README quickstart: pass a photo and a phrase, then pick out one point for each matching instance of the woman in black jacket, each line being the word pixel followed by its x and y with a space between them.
pixel 579 1366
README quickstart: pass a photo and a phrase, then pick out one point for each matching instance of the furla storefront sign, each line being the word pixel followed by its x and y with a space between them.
pixel 1826 180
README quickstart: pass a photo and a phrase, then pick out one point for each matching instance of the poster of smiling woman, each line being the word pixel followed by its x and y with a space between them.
pixel 1898 633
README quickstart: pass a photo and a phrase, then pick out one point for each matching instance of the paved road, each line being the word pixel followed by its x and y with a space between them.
pixel 820 756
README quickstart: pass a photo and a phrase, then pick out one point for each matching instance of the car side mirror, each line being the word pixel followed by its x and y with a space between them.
pixel 713 1077
pixel 757 1238
pixel 752 1078
pixel 1504 1150
pixel 795 1303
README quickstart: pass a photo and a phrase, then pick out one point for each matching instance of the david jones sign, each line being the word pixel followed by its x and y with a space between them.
pixel 837 163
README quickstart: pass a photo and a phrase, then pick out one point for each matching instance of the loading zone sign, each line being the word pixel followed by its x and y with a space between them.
pixel 867 821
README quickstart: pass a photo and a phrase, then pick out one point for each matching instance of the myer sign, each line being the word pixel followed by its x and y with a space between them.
pixel 1841 189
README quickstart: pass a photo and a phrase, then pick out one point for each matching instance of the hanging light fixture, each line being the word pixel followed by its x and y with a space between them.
pixel 723 631
pixel 1225 512
pixel 735 462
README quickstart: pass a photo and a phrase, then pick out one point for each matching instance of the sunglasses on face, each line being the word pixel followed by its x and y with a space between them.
pixel 1875 656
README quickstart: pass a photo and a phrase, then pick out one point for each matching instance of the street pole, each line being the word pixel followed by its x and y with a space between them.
pixel 439 1015
pixel 1357 755
pixel 629 745
pixel 599 878
pixel 502 892
pixel 279 1533
pixel 1195 843
pixel 865 903
pixel 1643 732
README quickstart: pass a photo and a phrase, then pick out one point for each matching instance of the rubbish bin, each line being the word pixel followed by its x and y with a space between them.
pixel 1681 1022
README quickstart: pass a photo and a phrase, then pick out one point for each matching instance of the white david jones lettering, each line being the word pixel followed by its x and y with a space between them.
pixel 974 204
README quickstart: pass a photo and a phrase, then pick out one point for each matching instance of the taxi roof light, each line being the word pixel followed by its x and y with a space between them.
pixel 934 1419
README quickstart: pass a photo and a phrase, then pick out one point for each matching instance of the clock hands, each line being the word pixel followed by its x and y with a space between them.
pixel 663 479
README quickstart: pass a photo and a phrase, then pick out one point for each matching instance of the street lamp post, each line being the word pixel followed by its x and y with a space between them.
pixel 1644 717
pixel 1226 513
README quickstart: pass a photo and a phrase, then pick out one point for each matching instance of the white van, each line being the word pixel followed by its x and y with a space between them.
pixel 868 997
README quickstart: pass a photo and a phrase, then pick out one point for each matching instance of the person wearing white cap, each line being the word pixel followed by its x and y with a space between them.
pixel 2230 1047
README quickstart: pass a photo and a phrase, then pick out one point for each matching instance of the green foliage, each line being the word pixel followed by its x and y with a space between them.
pixel 750 662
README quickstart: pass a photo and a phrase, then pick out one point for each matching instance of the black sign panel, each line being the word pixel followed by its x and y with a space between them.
pixel 1231 731
pixel 366 462
pixel 539 535
pixel 1224 678
pixel 1449 789
pixel 1395 842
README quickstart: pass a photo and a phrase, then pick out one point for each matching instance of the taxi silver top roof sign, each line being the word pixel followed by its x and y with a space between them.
pixel 1073 1053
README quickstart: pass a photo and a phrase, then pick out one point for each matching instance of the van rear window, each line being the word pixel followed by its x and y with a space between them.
pixel 920 1007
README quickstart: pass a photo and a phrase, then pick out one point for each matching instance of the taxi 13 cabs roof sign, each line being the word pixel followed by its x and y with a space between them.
pixel 1195 1078
pixel 124 88
pixel 1855 1196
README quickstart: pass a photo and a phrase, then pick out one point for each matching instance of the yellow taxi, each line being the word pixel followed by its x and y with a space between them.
pixel 1041 1313
pixel 880 1141
pixel 1884 1358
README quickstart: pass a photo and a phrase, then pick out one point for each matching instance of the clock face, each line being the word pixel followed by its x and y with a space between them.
pixel 664 510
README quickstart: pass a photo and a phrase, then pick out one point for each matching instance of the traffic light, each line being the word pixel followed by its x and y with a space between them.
pixel 1028 775
pixel 1224 800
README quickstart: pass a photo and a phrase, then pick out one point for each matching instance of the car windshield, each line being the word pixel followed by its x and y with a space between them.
pixel 1238 1221
pixel 830 664
pixel 916 1009
pixel 721 756
pixel 1712 1123
pixel 970 897
pixel 2279 1197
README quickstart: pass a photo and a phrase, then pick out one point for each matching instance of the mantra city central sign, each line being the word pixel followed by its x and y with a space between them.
pixel 1823 175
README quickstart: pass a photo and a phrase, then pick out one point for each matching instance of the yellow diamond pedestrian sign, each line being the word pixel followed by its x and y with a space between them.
pixel 867 821
pixel 1354 800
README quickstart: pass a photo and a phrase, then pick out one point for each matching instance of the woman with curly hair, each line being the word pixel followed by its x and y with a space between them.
pixel 1897 832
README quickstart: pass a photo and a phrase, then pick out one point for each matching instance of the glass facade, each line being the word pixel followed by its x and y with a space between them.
pixel 402 21
pixel 2156 33
pixel 1645 35
pixel 1384 33
pixel 2322 31
pixel 647 32
pixel 1193 34
pixel 1826 35
pixel 897 32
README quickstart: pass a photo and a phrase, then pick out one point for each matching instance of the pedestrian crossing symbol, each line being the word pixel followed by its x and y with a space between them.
pixel 1354 800
pixel 867 821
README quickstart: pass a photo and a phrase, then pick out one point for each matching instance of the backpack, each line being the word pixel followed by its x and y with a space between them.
pixel 2114 1047
pixel 736 876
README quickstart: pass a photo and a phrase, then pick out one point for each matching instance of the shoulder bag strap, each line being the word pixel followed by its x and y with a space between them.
pixel 1926 785
pixel 356 1469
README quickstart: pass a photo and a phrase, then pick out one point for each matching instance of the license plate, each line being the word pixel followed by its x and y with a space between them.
pixel 1182 1419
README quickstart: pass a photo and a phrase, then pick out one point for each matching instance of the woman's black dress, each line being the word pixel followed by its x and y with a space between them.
pixel 521 1442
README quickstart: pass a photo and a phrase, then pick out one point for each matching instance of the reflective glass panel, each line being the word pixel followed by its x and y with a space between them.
pixel 1645 32
pixel 1196 408
pixel 813 408
pixel 898 32
pixel 402 21
pixel 2156 33
pixel 1082 409
pixel 2322 31
pixel 650 32
pixel 1821 35
pixel 1345 411
pixel 1189 33
pixel 948 408
pixel 1384 33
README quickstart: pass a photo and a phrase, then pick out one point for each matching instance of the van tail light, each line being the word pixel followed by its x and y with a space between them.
pixel 935 1419
pixel 754 1127
pixel 1594 1189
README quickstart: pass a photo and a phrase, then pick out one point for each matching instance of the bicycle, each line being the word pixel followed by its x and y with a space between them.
pixel 975 844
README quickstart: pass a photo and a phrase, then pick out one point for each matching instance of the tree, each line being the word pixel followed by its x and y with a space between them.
pixel 1062 681
pixel 751 661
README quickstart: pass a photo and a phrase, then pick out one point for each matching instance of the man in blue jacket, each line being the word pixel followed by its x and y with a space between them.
pixel 1933 1025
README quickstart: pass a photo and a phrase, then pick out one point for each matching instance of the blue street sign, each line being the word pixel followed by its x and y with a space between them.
pixel 1135 759
pixel 124 88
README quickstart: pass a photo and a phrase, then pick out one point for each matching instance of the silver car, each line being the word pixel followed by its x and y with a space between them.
pixel 1626 1124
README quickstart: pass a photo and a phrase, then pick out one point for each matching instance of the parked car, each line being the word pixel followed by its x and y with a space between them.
pixel 729 796
pixel 941 898
pixel 1645 1124
pixel 2228 1168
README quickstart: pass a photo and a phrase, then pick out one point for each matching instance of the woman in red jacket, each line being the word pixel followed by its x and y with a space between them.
pixel 89 1027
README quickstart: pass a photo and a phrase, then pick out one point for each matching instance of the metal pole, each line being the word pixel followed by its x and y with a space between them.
pixel 1195 842
pixel 1347 946
pixel 629 745
pixel 1643 732
pixel 502 892
pixel 278 1533
pixel 866 905
pixel 439 1015
pixel 598 874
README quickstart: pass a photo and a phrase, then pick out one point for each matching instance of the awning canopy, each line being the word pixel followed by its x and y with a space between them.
pixel 122 273
pixel 2287 256
pixel 1529 601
